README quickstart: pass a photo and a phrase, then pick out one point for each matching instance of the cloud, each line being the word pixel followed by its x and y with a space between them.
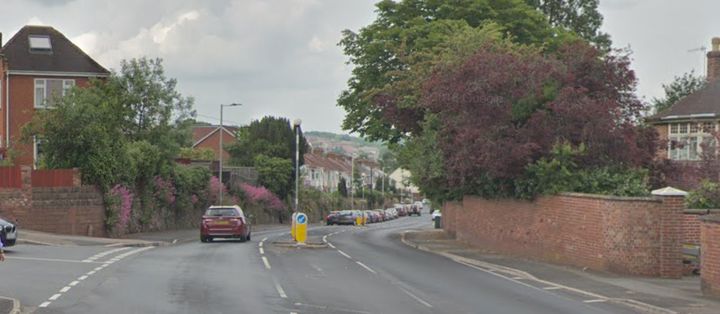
pixel 35 21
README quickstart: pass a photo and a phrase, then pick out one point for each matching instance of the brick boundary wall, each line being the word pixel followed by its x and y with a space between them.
pixel 636 236
pixel 710 255
pixel 692 222
pixel 76 210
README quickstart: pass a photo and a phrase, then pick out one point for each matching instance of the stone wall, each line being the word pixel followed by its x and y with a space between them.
pixel 637 236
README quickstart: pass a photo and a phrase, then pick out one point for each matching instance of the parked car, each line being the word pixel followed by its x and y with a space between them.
pixel 391 213
pixel 401 210
pixel 224 222
pixel 8 232
pixel 331 218
pixel 345 217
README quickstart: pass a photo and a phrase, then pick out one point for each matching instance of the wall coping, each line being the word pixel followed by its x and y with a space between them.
pixel 613 198
pixel 711 219
pixel 693 211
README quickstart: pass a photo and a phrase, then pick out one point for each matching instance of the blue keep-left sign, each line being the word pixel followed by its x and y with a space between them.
pixel 301 218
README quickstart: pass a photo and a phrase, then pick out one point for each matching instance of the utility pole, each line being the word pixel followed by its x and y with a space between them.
pixel 352 182
pixel 221 151
pixel 296 126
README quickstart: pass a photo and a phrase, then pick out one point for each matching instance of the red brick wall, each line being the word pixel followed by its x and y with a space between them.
pixel 71 210
pixel 710 256
pixel 691 223
pixel 623 235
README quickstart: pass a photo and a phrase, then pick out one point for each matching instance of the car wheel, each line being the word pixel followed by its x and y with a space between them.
pixel 208 239
pixel 203 239
pixel 248 237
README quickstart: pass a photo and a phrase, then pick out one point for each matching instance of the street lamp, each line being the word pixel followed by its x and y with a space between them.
pixel 220 151
pixel 352 181
pixel 296 126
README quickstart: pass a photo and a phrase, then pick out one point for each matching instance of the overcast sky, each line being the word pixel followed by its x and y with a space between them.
pixel 280 57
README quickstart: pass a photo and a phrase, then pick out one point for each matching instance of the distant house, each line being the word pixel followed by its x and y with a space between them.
pixel 323 171
pixel 37 65
pixel 402 181
pixel 687 125
pixel 208 136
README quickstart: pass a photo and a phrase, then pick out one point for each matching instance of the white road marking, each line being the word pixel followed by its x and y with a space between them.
pixel 552 288
pixel 92 272
pixel 262 251
pixel 103 254
pixel 174 241
pixel 366 267
pixel 518 278
pixel 263 239
pixel 416 298
pixel 325 238
pixel 344 254
pixel 260 244
pixel 331 245
pixel 279 289
pixel 49 260
pixel 265 261
pixel 595 301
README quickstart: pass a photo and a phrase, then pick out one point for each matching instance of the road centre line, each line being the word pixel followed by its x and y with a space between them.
pixel 595 301
pixel 72 284
pixel 552 288
pixel 262 252
pixel 279 289
pixel 103 254
pixel 45 304
pixel 344 254
pixel 267 264
pixel 416 298
pixel 83 277
pixel 65 289
pixel 55 297
pixel 331 245
pixel 366 267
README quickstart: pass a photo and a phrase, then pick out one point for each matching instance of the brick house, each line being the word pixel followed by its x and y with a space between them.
pixel 208 136
pixel 687 126
pixel 37 65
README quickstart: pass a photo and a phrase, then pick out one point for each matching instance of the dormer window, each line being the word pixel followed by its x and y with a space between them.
pixel 40 43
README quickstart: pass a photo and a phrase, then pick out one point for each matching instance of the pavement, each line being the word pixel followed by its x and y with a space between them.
pixel 648 294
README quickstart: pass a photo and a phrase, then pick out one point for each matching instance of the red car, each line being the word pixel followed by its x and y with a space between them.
pixel 224 222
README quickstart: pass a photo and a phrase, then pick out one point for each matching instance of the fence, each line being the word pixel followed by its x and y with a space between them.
pixel 54 178
pixel 10 177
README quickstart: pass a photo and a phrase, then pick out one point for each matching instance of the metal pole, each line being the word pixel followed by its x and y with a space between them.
pixel 220 151
pixel 352 182
pixel 297 164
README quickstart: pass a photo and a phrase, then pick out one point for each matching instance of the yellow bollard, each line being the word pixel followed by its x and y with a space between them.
pixel 358 220
pixel 301 228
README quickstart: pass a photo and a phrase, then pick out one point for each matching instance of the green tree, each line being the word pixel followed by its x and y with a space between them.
pixel 274 173
pixel 270 136
pixel 126 128
pixel 579 16
pixel 382 51
pixel 680 87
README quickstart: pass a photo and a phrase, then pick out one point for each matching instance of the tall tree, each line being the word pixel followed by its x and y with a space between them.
pixel 579 16
pixel 342 187
pixel 382 51
pixel 680 87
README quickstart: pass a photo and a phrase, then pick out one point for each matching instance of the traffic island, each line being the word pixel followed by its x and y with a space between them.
pixel 9 306
pixel 313 242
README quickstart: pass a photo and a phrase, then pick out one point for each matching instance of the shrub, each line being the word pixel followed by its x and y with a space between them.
pixel 707 196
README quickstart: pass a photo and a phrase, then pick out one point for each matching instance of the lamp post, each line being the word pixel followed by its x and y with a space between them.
pixel 352 181
pixel 296 126
pixel 220 151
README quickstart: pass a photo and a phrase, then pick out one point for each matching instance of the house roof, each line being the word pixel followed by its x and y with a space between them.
pixel 704 103
pixel 203 132
pixel 64 56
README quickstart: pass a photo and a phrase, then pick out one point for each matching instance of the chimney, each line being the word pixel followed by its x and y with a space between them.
pixel 713 61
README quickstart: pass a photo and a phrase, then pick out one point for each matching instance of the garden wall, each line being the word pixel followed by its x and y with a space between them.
pixel 637 236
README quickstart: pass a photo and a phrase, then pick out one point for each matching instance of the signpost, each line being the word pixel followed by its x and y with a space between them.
pixel 300 223
pixel 292 225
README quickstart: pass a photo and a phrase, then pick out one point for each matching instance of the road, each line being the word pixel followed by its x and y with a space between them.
pixel 365 270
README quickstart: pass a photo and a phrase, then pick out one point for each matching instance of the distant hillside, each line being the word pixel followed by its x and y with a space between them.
pixel 344 144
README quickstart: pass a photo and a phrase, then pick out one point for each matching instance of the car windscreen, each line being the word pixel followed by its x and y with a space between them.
pixel 221 212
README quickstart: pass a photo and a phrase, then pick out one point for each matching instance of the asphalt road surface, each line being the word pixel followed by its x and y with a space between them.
pixel 365 270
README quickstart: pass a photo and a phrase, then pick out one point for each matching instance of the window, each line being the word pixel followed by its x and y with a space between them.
pixel 687 141
pixel 39 43
pixel 47 91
